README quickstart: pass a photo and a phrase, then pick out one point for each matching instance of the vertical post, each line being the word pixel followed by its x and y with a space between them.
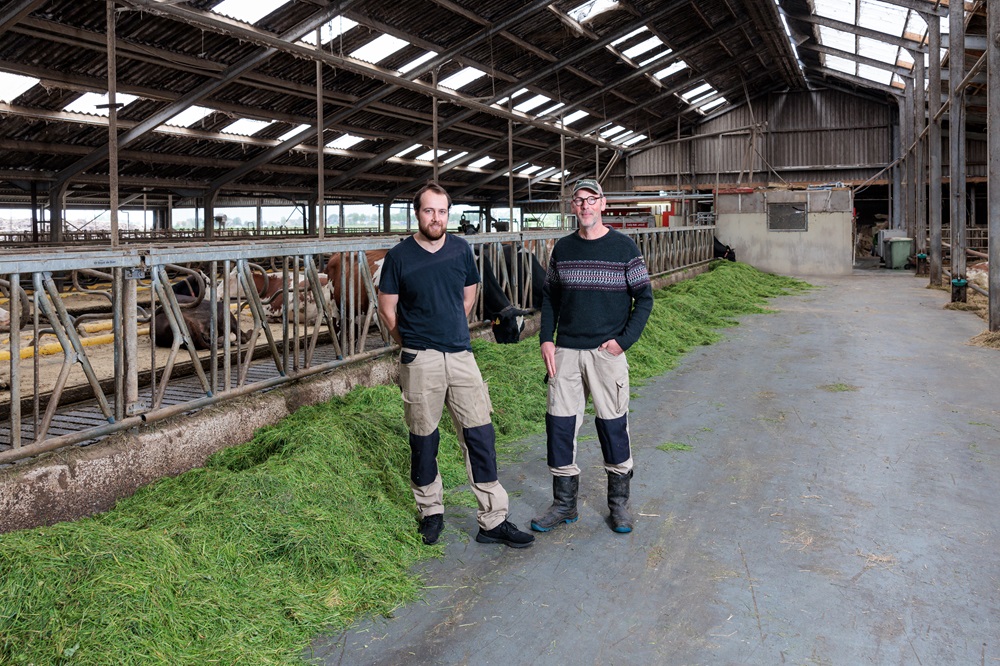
pixel 210 215
pixel 562 173
pixel 260 218
pixel 320 148
pixel 434 123
pixel 112 124
pixel 993 150
pixel 934 146
pixel 896 198
pixel 956 140
pixel 906 131
pixel 919 164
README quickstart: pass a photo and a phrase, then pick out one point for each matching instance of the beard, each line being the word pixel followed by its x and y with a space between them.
pixel 432 231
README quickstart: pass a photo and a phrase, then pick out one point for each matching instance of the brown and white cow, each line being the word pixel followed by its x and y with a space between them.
pixel 269 287
pixel 375 260
pixel 198 319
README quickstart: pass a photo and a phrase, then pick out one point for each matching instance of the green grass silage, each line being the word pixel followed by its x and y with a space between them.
pixel 301 530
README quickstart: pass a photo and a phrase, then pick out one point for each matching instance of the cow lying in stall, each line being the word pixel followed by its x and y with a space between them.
pixel 979 274
pixel 271 289
pixel 722 251
pixel 196 310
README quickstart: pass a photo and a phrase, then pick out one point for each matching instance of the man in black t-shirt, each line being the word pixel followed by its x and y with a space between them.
pixel 428 287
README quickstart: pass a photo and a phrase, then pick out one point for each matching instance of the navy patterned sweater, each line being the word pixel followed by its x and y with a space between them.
pixel 595 290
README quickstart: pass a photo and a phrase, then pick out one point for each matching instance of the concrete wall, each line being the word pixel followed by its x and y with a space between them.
pixel 825 248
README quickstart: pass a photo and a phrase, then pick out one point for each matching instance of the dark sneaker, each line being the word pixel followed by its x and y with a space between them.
pixel 507 534
pixel 430 528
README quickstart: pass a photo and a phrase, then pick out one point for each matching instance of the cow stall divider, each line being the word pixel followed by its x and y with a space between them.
pixel 255 337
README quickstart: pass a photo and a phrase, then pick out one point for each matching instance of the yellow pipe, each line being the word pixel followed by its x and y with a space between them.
pixel 56 348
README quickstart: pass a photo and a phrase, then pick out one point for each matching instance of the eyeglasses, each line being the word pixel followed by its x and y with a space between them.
pixel 578 201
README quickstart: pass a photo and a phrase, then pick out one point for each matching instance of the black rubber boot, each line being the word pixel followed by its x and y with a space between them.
pixel 618 494
pixel 563 509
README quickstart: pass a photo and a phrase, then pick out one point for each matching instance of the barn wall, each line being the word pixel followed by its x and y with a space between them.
pixel 825 248
pixel 804 138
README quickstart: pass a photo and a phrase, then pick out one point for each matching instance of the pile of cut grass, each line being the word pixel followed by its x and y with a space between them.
pixel 301 530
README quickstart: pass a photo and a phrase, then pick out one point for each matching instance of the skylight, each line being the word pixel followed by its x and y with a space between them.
pixel 335 28
pixel 711 105
pixel 408 150
pixel 417 62
pixel 248 11
pixel 892 19
pixel 481 162
pixel 671 70
pixel 552 109
pixel 461 78
pixel 429 155
pixel 345 141
pixel 246 126
pixel 575 116
pixel 696 92
pixel 590 9
pixel 622 40
pixel 456 156
pixel 643 47
pixel 189 116
pixel 611 131
pixel 13 85
pixel 634 140
pixel 292 132
pixel 379 49
pixel 530 170
pixel 96 104
pixel 532 103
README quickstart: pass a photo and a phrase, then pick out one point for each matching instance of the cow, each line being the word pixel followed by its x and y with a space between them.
pixel 375 260
pixel 979 274
pixel 506 319
pixel 722 251
pixel 198 317
pixel 271 289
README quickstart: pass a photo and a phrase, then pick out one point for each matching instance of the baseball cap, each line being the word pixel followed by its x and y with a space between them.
pixel 588 184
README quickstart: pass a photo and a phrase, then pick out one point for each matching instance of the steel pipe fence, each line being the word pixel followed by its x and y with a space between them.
pixel 77 353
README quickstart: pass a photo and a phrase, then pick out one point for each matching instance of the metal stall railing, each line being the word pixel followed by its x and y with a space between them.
pixel 105 340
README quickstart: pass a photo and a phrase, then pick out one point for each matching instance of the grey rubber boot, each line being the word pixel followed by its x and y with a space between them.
pixel 618 494
pixel 563 509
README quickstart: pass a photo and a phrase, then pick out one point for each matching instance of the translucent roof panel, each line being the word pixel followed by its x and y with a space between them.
pixel 590 9
pixel 461 78
pixel 345 141
pixel 429 155
pixel 711 105
pixel 634 140
pixel 292 132
pixel 552 109
pixel 96 104
pixel 246 126
pixel 643 47
pixel 530 170
pixel 189 116
pixel 481 162
pixel 12 85
pixel 575 116
pixel 456 156
pixel 629 36
pixel 379 49
pixel 417 62
pixel 337 26
pixel 532 103
pixel 611 131
pixel 671 70
pixel 408 150
pixel 249 11
pixel 893 19
pixel 695 93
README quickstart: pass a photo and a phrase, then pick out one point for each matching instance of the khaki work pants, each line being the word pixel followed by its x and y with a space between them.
pixel 429 380
pixel 603 377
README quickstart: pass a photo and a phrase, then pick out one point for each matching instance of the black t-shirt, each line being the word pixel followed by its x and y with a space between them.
pixel 431 286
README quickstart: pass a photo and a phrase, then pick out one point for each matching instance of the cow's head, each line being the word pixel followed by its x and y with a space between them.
pixel 508 324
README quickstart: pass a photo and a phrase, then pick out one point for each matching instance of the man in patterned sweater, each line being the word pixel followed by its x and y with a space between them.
pixel 597 297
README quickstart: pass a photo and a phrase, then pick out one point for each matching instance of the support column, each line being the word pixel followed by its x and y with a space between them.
pixel 956 140
pixel 210 215
pixel 934 147
pixel 909 189
pixel 896 198
pixel 993 151
pixel 919 165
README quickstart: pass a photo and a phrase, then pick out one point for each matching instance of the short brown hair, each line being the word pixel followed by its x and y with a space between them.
pixel 433 187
